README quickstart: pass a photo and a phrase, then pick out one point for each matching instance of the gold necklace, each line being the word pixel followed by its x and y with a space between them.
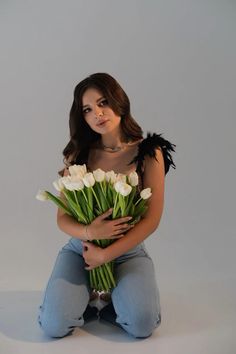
pixel 117 148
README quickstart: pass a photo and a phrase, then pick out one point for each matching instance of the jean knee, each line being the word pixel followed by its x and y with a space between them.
pixel 54 326
pixel 142 324
pixel 62 308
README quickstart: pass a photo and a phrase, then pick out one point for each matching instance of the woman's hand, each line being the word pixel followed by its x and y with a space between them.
pixel 108 229
pixel 93 255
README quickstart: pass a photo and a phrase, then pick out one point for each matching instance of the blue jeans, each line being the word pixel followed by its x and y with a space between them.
pixel 135 299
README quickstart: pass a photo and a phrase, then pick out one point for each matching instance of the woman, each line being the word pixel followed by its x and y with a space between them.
pixel 103 134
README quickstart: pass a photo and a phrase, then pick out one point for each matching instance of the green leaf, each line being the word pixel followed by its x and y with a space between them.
pixel 131 200
pixel 58 202
pixel 76 208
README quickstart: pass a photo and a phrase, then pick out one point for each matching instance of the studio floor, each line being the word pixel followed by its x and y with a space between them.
pixel 197 317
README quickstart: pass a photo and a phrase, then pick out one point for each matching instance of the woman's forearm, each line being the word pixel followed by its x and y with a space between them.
pixel 70 226
pixel 132 238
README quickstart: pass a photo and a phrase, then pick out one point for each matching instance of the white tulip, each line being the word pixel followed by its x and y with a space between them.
pixel 122 188
pixel 42 195
pixel 78 170
pixel 133 179
pixel 99 175
pixel 65 180
pixel 75 178
pixel 121 177
pixel 72 183
pixel 59 186
pixel 117 186
pixel 88 179
pixel 146 193
pixel 74 186
pixel 70 179
pixel 126 189
pixel 110 176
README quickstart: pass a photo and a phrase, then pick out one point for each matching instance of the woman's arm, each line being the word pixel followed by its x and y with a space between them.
pixel 153 177
pixel 72 227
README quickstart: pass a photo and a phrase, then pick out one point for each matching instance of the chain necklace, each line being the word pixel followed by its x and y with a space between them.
pixel 117 148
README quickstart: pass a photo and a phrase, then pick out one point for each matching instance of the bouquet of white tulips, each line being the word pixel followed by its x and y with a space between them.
pixel 90 194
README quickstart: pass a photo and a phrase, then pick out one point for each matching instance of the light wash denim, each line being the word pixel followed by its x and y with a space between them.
pixel 135 299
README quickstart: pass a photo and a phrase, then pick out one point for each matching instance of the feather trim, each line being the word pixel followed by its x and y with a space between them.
pixel 148 146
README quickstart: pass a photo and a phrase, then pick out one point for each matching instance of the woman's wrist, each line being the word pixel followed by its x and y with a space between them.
pixel 88 235
pixel 106 255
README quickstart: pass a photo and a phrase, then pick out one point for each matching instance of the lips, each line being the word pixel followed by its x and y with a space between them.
pixel 101 123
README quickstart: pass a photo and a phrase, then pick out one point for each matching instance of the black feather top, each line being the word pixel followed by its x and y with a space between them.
pixel 148 146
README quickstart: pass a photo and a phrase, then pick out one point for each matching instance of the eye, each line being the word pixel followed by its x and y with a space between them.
pixel 104 102
pixel 84 111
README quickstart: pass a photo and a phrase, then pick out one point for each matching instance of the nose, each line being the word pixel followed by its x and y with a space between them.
pixel 98 112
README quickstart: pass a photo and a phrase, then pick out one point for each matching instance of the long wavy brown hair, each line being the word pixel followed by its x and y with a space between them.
pixel 81 135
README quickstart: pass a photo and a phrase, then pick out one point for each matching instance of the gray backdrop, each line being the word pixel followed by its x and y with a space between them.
pixel 176 62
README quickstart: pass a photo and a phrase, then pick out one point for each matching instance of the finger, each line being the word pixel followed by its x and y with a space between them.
pixel 125 229
pixel 89 267
pixel 120 231
pixel 117 236
pixel 107 213
pixel 122 220
pixel 122 227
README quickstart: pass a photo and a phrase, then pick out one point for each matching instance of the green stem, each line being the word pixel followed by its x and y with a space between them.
pixel 94 278
pixel 103 278
pixel 75 196
pixel 103 190
pixel 114 208
pixel 109 271
pixel 96 198
pixel 84 195
pixel 100 282
pixel 137 201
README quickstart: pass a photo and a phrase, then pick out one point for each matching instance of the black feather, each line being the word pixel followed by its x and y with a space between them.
pixel 148 146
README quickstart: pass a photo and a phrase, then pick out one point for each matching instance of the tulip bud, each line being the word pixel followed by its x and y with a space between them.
pixel 146 193
pixel 110 176
pixel 99 175
pixel 120 177
pixel 71 184
pixel 42 195
pixel 88 179
pixel 117 186
pixel 123 188
pixel 59 186
pixel 133 179
pixel 78 170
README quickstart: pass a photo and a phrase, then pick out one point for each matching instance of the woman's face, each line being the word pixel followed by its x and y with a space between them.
pixel 96 110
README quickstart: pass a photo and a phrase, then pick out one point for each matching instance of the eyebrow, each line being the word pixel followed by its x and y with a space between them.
pixel 96 101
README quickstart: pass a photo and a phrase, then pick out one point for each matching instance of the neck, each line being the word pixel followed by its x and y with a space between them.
pixel 113 141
